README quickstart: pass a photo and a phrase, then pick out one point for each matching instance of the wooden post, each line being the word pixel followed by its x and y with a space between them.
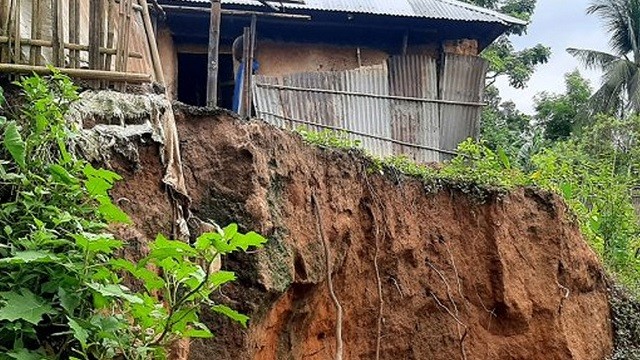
pixel 58 36
pixel 153 44
pixel 73 34
pixel 17 35
pixel 94 34
pixel 214 43
pixel 35 31
pixel 250 45
pixel 111 32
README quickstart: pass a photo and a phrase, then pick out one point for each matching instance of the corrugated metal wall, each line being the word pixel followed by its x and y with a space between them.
pixel 394 108
pixel 463 80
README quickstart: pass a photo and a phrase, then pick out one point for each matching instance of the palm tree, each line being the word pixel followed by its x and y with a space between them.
pixel 620 90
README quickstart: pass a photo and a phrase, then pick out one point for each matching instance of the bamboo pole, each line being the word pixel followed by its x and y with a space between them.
pixel 111 34
pixel 76 21
pixel 246 70
pixel 101 34
pixel 214 44
pixel 73 47
pixel 5 54
pixel 153 44
pixel 248 75
pixel 127 35
pixel 79 73
pixel 34 56
pixel 73 34
pixel 120 42
pixel 57 38
pixel 17 35
pixel 94 34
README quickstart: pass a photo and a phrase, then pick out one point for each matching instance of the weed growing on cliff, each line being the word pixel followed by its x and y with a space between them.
pixel 329 139
pixel 61 288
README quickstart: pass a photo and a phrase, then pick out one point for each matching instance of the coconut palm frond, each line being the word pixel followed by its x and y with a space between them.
pixel 593 59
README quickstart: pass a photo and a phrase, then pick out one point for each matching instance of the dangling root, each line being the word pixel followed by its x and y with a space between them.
pixel 327 253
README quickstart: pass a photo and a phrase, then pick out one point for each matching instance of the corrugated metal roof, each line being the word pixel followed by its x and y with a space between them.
pixel 428 9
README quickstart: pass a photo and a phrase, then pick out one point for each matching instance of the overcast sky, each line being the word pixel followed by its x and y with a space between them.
pixel 559 24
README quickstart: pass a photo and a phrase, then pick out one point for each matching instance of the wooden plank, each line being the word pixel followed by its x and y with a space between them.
pixel 214 44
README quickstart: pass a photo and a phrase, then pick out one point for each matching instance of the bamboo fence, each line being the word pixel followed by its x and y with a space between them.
pixel 57 32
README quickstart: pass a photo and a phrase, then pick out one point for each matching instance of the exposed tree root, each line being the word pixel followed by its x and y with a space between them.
pixel 454 314
pixel 376 266
pixel 327 253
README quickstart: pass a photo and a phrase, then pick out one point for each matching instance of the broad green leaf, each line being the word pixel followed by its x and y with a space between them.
pixel 115 291
pixel 203 242
pixel 231 314
pixel 504 159
pixel 80 333
pixel 68 301
pixel 25 257
pixel 220 278
pixel 24 354
pixel 163 248
pixel 23 305
pixel 106 175
pixel 150 279
pixel 198 330
pixel 14 144
pixel 61 174
pixel 244 242
pixel 183 318
pixel 111 212
pixel 103 243
pixel 230 231
pixel 216 240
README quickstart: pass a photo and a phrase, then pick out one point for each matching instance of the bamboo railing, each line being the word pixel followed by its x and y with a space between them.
pixel 86 39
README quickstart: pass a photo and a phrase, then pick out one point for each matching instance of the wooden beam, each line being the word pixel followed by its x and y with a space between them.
pixel 214 44
pixel 79 73
pixel 229 12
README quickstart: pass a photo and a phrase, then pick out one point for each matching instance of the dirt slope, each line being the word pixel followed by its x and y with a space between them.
pixel 510 278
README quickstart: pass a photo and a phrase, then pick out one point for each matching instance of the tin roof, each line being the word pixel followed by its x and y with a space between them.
pixel 428 9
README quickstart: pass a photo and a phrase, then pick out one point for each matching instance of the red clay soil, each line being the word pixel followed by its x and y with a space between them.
pixel 504 277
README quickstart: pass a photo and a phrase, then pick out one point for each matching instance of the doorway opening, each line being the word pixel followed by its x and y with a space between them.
pixel 192 79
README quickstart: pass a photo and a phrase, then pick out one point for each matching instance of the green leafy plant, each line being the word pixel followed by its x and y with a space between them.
pixel 329 138
pixel 62 288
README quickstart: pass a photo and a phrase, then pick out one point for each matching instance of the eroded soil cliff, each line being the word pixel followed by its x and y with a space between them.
pixel 461 277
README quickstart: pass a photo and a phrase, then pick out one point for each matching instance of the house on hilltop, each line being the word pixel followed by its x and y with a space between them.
pixel 402 76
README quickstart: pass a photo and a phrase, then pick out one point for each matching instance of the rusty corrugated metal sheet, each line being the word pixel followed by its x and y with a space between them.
pixel 394 108
pixel 462 80
pixel 427 9
pixel 360 114
pixel 365 114
pixel 411 121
